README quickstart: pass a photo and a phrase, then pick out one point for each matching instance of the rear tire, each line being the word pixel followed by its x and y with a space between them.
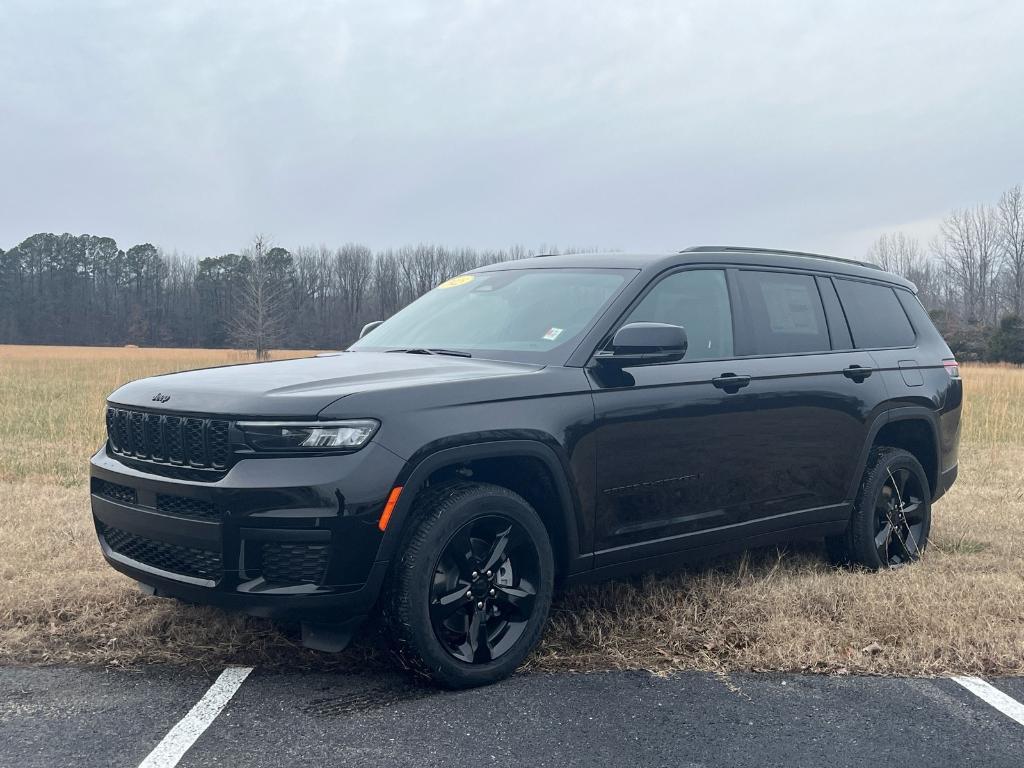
pixel 469 595
pixel 891 517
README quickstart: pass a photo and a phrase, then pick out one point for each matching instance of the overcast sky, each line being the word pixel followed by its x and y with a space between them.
pixel 631 125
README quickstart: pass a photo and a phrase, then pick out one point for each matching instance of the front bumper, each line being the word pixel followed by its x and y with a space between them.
pixel 291 538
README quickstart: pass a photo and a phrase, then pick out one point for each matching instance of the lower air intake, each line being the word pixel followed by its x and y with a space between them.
pixel 187 561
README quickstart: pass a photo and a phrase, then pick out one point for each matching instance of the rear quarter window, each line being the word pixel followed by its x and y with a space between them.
pixel 875 315
pixel 917 313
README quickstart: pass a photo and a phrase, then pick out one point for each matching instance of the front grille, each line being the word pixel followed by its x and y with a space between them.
pixel 187 561
pixel 185 507
pixel 286 563
pixel 164 438
pixel 115 492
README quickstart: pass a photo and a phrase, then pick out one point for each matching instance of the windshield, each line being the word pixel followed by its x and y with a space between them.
pixel 529 315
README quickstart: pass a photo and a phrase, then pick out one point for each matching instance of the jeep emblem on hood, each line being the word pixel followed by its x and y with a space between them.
pixel 160 397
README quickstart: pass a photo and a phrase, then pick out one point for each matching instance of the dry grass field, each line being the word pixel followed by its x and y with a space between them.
pixel 960 610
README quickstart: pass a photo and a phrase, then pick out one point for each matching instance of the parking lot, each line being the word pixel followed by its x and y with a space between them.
pixel 76 716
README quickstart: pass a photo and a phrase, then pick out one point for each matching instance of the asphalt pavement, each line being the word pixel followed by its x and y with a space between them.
pixel 60 716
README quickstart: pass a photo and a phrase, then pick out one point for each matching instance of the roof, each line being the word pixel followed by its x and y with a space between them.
pixel 580 260
pixel 706 254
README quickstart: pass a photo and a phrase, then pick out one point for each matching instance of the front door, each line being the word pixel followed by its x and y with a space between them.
pixel 670 437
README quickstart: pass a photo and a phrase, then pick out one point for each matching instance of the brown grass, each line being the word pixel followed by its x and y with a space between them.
pixel 960 610
pixel 51 401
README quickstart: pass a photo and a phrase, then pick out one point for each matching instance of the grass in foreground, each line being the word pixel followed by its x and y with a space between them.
pixel 960 610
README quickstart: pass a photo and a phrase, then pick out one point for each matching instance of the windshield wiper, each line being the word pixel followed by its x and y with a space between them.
pixel 431 351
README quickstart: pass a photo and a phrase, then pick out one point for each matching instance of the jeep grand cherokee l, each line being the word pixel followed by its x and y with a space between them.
pixel 543 421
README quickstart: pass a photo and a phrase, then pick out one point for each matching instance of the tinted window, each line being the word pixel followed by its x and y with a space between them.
pixel 698 300
pixel 785 312
pixel 875 315
pixel 917 313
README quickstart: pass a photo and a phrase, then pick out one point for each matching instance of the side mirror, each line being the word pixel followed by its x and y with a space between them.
pixel 369 327
pixel 645 344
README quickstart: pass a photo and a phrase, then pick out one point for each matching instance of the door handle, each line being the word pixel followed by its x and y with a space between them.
pixel 856 372
pixel 730 382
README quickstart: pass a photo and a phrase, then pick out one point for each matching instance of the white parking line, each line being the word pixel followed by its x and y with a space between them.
pixel 176 743
pixel 1005 704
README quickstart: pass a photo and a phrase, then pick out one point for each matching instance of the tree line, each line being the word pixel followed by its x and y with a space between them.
pixel 86 290
pixel 970 276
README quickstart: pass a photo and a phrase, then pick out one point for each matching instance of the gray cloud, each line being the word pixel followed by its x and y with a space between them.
pixel 650 125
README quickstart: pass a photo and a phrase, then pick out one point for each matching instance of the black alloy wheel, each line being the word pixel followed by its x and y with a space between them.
pixel 900 518
pixel 891 517
pixel 483 592
pixel 469 593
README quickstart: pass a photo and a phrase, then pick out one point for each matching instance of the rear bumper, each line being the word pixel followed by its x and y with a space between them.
pixel 292 538
pixel 946 479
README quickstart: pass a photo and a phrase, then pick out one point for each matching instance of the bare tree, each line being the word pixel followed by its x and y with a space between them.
pixel 895 252
pixel 386 284
pixel 353 268
pixel 970 252
pixel 422 267
pixel 899 253
pixel 85 289
pixel 1011 235
pixel 260 318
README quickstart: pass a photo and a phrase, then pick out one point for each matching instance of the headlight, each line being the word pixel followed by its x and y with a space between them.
pixel 309 436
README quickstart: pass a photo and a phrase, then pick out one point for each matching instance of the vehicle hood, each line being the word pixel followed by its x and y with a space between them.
pixel 302 387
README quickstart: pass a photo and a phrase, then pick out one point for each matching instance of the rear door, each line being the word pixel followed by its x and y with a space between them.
pixel 890 324
pixel 815 395
pixel 879 324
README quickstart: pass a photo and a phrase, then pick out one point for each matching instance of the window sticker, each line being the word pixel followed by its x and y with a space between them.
pixel 553 333
pixel 789 308
pixel 456 281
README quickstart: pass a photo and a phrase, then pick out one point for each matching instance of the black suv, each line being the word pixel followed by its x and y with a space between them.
pixel 533 423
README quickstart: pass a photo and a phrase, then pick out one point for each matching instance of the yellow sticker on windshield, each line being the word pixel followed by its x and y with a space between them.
pixel 456 281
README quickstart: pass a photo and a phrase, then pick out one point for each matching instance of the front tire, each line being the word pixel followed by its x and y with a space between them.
pixel 470 594
pixel 891 517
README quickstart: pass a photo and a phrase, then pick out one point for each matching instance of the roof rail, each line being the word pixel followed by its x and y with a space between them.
pixel 743 249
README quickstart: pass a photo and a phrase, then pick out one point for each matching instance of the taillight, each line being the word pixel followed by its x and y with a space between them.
pixel 952 368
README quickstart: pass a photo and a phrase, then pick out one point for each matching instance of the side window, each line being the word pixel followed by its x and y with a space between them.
pixel 875 315
pixel 698 300
pixel 917 313
pixel 786 314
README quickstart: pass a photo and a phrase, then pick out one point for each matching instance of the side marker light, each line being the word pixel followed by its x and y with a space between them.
pixel 389 507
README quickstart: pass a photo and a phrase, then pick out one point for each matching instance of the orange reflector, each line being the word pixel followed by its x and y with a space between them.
pixel 389 507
